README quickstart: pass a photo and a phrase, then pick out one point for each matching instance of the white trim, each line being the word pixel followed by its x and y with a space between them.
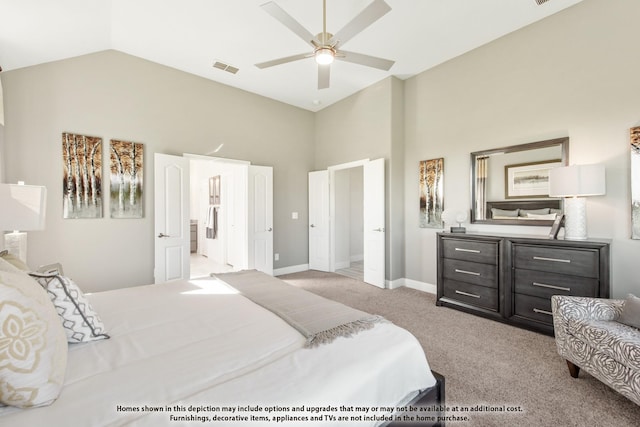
pixel 356 258
pixel 342 264
pixel 348 165
pixel 413 284
pixel 290 269
pixel 214 159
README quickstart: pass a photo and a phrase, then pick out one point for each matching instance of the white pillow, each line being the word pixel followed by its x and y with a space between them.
pixel 80 321
pixel 541 216
pixel 33 345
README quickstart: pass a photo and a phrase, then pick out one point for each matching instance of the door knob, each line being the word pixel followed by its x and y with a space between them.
pixel 312 226
pixel 161 235
pixel 378 229
pixel 269 229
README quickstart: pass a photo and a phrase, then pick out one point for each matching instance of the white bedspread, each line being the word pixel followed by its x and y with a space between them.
pixel 199 343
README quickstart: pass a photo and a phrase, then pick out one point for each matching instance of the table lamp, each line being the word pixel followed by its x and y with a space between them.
pixel 22 208
pixel 574 183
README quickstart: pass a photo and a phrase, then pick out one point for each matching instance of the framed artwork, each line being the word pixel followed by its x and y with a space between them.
pixel 431 183
pixel 528 180
pixel 214 190
pixel 126 173
pixel 81 176
pixel 555 227
pixel 635 182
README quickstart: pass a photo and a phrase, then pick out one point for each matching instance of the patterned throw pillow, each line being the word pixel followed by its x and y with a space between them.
pixel 33 345
pixel 79 319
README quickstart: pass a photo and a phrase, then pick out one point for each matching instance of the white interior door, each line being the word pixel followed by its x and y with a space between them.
pixel 261 218
pixel 172 234
pixel 374 223
pixel 319 220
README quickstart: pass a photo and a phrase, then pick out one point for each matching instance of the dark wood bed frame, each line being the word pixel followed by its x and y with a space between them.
pixel 430 397
pixel 523 204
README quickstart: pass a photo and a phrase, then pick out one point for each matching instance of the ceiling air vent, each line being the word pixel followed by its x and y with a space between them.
pixel 541 1
pixel 225 67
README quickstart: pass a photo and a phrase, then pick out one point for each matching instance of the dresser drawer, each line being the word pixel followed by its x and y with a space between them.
pixel 470 250
pixel 470 272
pixel 480 296
pixel 577 262
pixel 533 308
pixel 544 284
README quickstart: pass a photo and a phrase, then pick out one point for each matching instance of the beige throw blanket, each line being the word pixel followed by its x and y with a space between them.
pixel 319 319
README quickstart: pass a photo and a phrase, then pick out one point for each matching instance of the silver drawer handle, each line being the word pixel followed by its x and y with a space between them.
pixel 473 273
pixel 544 285
pixel 467 294
pixel 541 258
pixel 537 310
pixel 474 251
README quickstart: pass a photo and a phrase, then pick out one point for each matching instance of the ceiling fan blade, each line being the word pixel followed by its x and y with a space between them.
pixel 279 61
pixel 287 20
pixel 362 59
pixel 323 76
pixel 368 16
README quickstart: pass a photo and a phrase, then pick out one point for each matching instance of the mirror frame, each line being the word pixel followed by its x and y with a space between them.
pixel 564 146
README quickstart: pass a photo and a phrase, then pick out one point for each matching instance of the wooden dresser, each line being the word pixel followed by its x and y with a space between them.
pixel 512 278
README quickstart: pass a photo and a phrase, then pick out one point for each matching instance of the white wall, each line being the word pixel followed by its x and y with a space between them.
pixel 368 124
pixel 573 74
pixel 342 218
pixel 356 212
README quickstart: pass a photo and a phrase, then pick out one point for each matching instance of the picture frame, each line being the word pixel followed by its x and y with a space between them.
pixel 555 227
pixel 635 182
pixel 431 185
pixel 214 190
pixel 126 179
pixel 528 180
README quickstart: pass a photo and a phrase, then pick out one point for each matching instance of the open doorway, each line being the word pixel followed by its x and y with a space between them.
pixel 217 215
pixel 349 222
pixel 331 229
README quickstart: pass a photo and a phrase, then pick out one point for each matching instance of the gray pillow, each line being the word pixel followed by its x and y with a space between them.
pixel 542 211
pixel 503 212
pixel 631 312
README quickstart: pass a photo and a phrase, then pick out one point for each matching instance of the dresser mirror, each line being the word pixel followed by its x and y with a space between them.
pixel 509 185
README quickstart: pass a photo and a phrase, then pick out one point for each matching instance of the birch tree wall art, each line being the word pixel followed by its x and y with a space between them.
pixel 126 179
pixel 431 189
pixel 635 183
pixel 82 176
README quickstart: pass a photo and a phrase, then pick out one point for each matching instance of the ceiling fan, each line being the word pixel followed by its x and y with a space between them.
pixel 327 46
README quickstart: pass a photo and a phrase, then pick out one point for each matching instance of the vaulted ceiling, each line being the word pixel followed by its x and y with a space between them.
pixel 192 35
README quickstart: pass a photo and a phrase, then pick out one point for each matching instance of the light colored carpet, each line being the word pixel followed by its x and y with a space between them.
pixel 485 362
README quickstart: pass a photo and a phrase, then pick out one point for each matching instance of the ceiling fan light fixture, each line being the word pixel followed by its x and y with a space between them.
pixel 324 55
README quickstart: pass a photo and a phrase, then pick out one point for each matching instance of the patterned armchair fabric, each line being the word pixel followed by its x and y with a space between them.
pixel 588 337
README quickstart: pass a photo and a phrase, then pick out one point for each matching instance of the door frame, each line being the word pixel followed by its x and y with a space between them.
pixel 189 157
pixel 332 205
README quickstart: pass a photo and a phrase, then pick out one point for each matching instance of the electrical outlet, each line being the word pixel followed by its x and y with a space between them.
pixel 276 257
pixel 294 215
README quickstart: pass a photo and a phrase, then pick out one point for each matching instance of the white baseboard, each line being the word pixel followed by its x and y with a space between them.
pixel 342 264
pixel 413 284
pixel 356 258
pixel 290 269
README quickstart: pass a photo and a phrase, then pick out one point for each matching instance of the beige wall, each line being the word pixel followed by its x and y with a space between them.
pixel 114 95
pixel 368 124
pixel 573 74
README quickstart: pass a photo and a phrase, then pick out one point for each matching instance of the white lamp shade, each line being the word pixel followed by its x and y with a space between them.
pixel 577 180
pixel 22 207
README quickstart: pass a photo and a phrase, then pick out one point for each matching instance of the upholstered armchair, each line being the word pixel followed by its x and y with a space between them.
pixel 589 338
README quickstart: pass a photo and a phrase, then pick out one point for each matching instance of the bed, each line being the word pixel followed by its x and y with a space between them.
pixel 198 351
pixel 524 212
